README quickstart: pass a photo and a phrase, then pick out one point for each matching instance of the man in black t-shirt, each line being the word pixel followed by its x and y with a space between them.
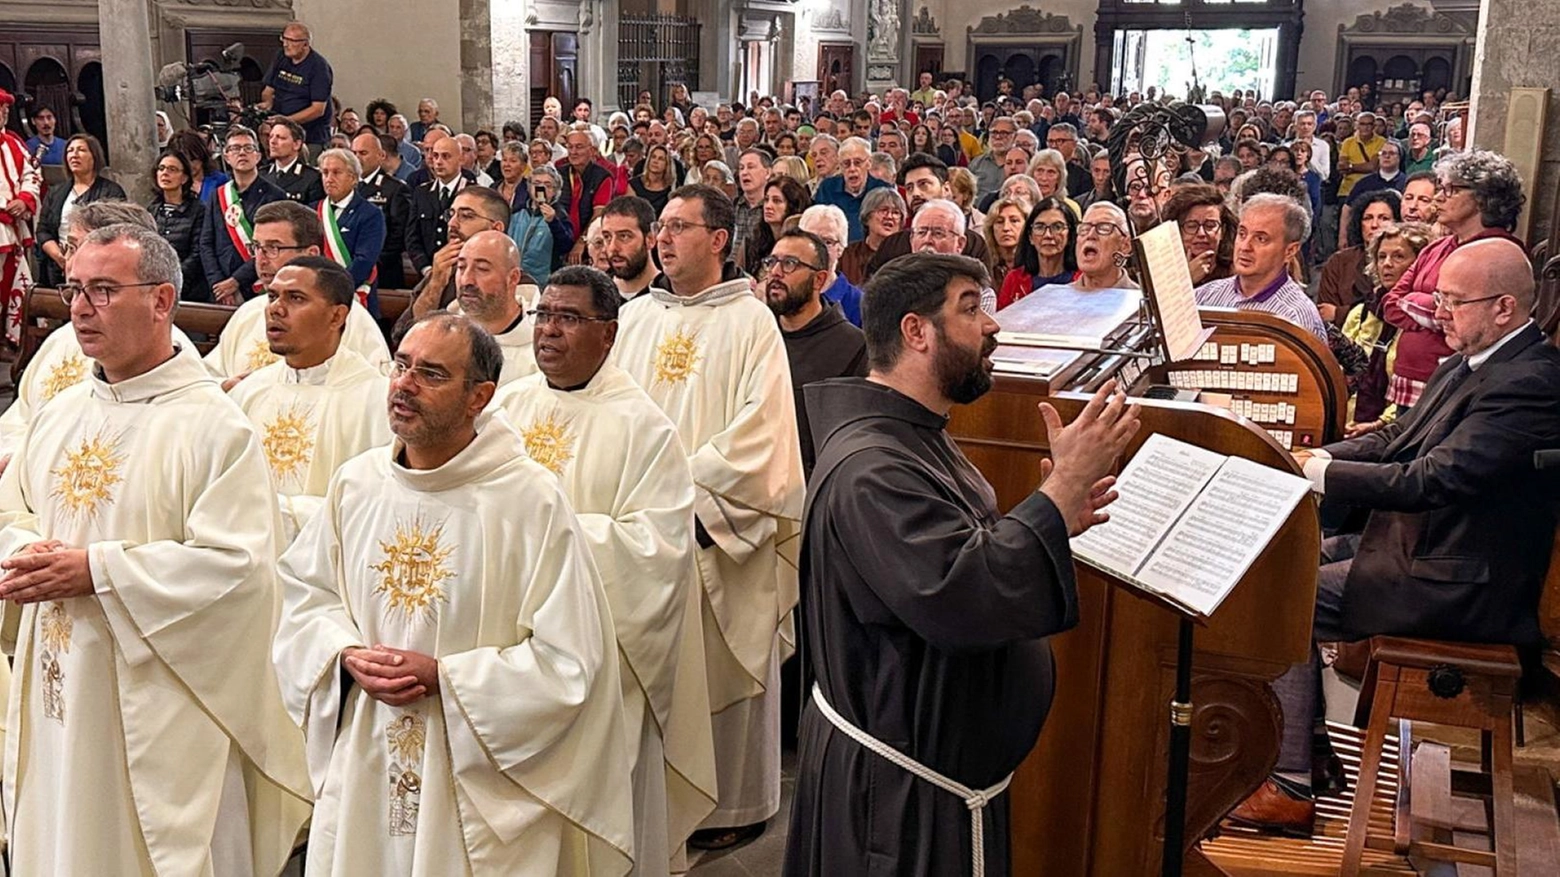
pixel 298 86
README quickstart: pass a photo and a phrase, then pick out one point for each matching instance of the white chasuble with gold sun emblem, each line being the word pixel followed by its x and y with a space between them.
pixel 310 422
pixel 159 685
pixel 242 348
pixel 519 763
pixel 622 467
pixel 58 365
pixel 715 362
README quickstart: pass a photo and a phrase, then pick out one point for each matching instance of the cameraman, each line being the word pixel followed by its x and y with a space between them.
pixel 542 231
pixel 298 87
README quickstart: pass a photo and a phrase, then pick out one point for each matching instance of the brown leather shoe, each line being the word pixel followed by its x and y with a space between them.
pixel 1274 810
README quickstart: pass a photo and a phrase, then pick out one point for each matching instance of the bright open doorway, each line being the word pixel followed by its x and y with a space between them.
pixel 1224 60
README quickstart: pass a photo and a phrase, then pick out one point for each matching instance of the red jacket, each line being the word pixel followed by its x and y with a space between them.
pixel 1420 348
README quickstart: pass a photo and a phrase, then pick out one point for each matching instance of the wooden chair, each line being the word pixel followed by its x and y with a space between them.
pixel 1459 684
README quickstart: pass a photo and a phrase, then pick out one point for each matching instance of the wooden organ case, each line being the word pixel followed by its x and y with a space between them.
pixel 1090 798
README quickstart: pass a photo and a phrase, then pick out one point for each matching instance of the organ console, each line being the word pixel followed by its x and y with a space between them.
pixel 1090 798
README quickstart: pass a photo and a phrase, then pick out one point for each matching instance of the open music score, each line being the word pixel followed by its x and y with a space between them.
pixel 1189 522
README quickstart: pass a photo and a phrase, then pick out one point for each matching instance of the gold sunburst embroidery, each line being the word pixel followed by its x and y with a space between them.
pixel 677 356
pixel 549 443
pixel 289 442
pixel 260 356
pixel 413 569
pixel 65 374
pixel 90 472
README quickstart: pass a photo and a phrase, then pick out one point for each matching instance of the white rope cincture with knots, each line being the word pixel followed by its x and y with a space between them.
pixel 975 800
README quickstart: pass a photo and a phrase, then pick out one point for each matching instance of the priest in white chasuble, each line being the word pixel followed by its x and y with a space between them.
pixel 620 462
pixel 710 354
pixel 59 363
pixel 147 732
pixel 284 230
pixel 322 404
pixel 447 647
pixel 489 291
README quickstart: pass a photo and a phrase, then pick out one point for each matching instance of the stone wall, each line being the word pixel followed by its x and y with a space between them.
pixel 1518 43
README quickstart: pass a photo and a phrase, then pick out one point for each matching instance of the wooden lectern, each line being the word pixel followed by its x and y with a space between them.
pixel 1090 798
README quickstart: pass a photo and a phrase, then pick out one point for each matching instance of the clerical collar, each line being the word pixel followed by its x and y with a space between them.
pixel 1267 291
pixel 716 294
pixel 314 376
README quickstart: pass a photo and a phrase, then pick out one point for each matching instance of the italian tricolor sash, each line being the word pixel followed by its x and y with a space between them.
pixel 336 247
pixel 238 227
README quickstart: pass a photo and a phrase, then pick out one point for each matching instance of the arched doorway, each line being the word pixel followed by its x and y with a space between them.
pixel 94 110
pixel 49 86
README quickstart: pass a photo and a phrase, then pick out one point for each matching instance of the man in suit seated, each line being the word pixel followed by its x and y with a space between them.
pixel 287 168
pixel 381 189
pixel 1457 529
pixel 354 228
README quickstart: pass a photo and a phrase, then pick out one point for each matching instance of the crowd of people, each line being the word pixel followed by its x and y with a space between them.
pixel 643 296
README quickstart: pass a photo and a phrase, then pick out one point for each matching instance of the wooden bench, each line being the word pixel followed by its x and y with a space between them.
pixel 43 311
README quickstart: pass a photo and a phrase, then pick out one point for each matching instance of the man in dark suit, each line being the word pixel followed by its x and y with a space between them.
pixel 393 199
pixel 361 224
pixel 1458 529
pixel 426 230
pixel 231 272
pixel 287 169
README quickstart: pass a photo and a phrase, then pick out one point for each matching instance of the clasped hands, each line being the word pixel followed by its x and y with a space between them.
pixel 395 677
pixel 45 570
pixel 1077 477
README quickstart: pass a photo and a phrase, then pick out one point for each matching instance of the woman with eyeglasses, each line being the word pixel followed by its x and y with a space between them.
pixel 1103 246
pixel 84 160
pixel 1478 196
pixel 1207 230
pixel 179 216
pixel 1045 252
pixel 882 214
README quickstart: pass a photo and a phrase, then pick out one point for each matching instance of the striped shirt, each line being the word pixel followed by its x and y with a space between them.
pixel 1284 297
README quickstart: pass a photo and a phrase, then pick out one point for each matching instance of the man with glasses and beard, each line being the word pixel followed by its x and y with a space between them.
pixel 927 611
pixel 819 341
pixel 625 223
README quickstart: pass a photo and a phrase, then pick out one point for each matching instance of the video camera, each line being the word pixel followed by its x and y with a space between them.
pixel 210 88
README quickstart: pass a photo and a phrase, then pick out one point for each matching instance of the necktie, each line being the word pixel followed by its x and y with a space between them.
pixel 446 195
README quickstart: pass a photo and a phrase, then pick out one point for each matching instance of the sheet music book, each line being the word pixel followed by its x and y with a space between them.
pixel 1061 316
pixel 1189 522
pixel 1168 280
pixel 1039 362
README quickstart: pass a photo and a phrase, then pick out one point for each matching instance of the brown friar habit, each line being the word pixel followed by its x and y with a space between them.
pixel 925 612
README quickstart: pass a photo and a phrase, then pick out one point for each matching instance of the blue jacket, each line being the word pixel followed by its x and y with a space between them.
pixel 542 244
pixel 218 256
pixel 848 296
pixel 363 228
pixel 832 191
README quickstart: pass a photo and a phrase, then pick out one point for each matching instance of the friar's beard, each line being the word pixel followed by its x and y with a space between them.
pixel 961 372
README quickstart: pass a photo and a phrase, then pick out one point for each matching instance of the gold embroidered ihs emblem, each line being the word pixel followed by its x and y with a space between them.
pixel 54 627
pixel 676 357
pixel 289 442
pixel 413 569
pixel 260 356
pixel 405 736
pixel 549 443
pixel 66 373
pixel 90 472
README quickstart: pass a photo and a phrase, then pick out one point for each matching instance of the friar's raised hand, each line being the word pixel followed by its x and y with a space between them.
pixel 1084 452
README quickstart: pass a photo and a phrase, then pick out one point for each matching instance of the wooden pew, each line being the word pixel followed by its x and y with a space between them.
pixel 43 311
pixel 1089 800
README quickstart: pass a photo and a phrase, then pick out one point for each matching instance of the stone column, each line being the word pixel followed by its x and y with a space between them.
pixel 885 40
pixel 599 55
pixel 125 32
pixel 1517 46
pixel 476 66
pixel 511 64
